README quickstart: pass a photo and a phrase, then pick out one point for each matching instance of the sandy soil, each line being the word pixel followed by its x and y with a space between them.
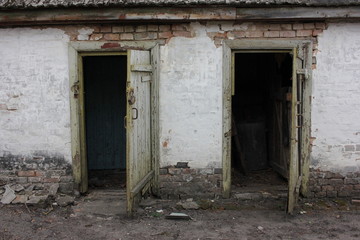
pixel 332 219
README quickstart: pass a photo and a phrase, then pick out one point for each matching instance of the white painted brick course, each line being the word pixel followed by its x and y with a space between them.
pixel 336 98
pixel 35 86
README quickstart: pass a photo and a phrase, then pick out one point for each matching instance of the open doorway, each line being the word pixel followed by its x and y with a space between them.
pixel 261 121
pixel 105 109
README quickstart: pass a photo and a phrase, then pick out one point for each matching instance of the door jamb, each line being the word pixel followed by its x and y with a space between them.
pixel 77 49
pixel 264 45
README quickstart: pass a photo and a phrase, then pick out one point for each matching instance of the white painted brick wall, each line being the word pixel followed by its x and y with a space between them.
pixel 336 99
pixel 34 83
pixel 191 101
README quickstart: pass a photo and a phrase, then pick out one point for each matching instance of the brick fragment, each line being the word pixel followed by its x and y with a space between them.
pixel 126 36
pixel 298 26
pixel 163 171
pixel 320 25
pixel 104 29
pixel 286 26
pixel 51 180
pixel 34 179
pixel 236 34
pixel 287 34
pixel 117 29
pixel 304 33
pixel 165 34
pixel 179 27
pixel 129 29
pixel 145 36
pixel 254 34
pixel 26 173
pixel 96 36
pixel 141 28
pixel 182 34
pixel 309 25
pixel 153 28
pixel 112 37
pixel 349 148
pixel 272 34
pixel 164 28
pixel 174 171
pixel 317 32
pixel 275 27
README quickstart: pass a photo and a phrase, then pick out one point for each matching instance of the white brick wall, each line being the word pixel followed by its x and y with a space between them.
pixel 336 99
pixel 34 84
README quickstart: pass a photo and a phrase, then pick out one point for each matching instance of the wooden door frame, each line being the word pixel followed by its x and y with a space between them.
pixel 265 45
pixel 76 50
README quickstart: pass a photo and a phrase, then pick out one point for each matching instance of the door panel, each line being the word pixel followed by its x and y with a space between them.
pixel 139 165
pixel 300 76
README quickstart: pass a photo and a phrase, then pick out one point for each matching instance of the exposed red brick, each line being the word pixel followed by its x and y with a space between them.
pixel 96 36
pixel 51 180
pixel 261 26
pixel 182 34
pixel 117 29
pixel 105 29
pixel 298 26
pixel 179 27
pixel 164 28
pixel 287 34
pixel 236 34
pixel 39 174
pixel 126 36
pixel 320 25
pixel 34 179
pixel 309 25
pixel 304 33
pixel 254 34
pixel 129 29
pixel 111 37
pixel 153 28
pixel 145 36
pixel 287 26
pixel 165 34
pixel 316 32
pixel 141 28
pixel 26 173
pixel 274 27
pixel 110 45
pixel 95 28
pixel 272 34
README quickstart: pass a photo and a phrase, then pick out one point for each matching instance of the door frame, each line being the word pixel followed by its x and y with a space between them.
pixel 76 50
pixel 265 45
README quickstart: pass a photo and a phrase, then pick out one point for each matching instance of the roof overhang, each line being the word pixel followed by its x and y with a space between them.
pixel 171 14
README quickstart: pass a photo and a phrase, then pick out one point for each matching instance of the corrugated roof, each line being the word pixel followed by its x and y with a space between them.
pixel 28 4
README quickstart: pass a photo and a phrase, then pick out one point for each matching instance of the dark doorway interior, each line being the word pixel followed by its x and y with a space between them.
pixel 261 121
pixel 105 109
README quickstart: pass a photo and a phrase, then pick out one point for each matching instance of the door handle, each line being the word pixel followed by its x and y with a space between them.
pixel 136 114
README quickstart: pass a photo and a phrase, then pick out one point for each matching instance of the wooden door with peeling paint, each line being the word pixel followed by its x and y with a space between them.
pixel 140 170
pixel 299 123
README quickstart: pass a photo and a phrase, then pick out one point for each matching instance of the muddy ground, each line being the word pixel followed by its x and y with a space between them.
pixel 219 219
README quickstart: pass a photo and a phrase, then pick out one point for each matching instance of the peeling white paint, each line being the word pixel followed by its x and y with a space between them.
pixel 191 101
pixel 336 99
pixel 35 87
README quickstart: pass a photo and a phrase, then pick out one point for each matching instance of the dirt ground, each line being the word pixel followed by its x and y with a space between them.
pixel 219 219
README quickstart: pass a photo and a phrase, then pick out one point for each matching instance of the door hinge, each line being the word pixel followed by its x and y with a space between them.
pixel 304 72
pixel 141 68
pixel 75 88
pixel 228 133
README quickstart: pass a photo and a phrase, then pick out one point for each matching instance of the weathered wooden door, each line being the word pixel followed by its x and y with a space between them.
pixel 301 74
pixel 140 169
